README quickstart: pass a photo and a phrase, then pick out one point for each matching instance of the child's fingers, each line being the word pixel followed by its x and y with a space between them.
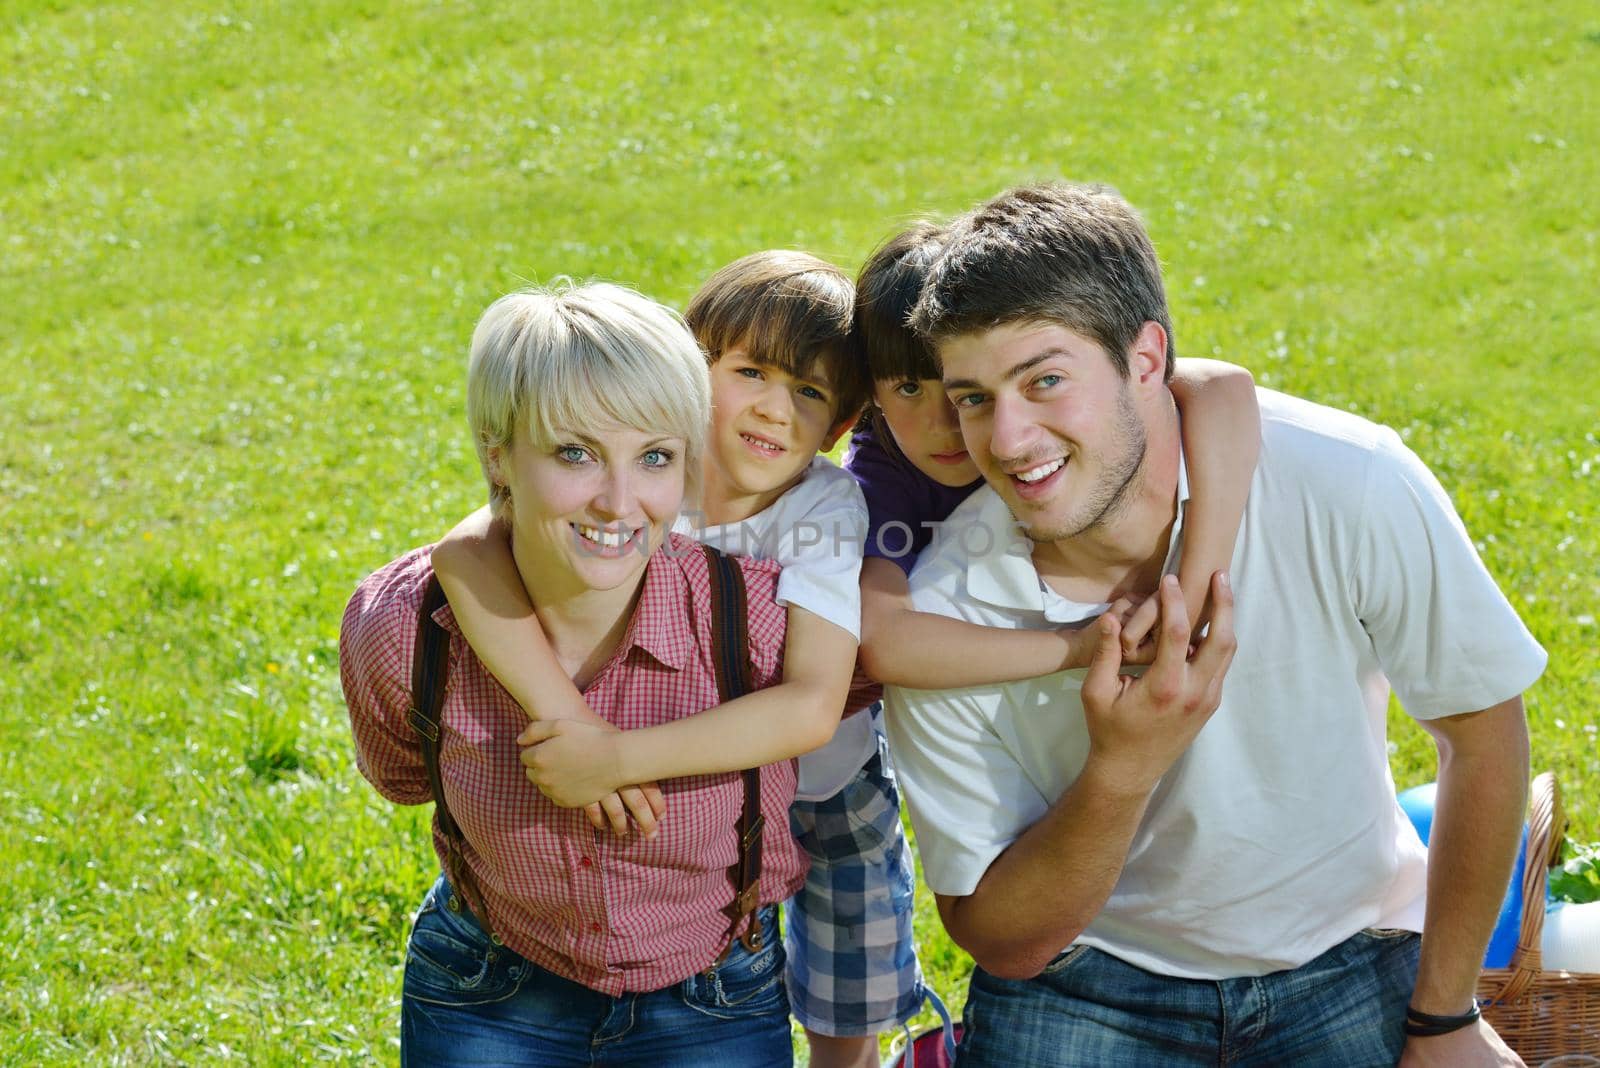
pixel 1144 653
pixel 640 809
pixel 1138 624
pixel 616 813
pixel 596 816
pixel 652 794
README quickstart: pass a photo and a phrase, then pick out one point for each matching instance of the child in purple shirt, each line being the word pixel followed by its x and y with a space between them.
pixel 902 501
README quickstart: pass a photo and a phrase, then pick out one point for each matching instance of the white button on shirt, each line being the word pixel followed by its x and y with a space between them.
pixel 1276 835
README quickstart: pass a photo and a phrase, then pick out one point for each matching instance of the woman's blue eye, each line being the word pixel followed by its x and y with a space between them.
pixel 908 389
pixel 657 458
pixel 572 454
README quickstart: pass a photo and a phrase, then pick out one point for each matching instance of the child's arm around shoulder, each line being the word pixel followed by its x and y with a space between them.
pixel 572 761
pixel 491 605
pixel 480 578
pixel 1221 443
pixel 901 646
pixel 819 527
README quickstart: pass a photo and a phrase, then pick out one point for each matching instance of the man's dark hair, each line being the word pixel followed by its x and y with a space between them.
pixel 1075 255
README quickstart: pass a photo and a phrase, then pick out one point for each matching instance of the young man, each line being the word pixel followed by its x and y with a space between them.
pixel 1169 869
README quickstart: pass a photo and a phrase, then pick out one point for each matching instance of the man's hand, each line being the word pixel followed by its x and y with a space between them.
pixel 1471 1047
pixel 575 763
pixel 1139 726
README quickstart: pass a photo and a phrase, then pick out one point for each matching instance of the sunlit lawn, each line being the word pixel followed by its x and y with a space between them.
pixel 241 252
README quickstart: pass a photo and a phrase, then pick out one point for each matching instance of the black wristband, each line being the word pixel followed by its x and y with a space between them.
pixel 1428 1025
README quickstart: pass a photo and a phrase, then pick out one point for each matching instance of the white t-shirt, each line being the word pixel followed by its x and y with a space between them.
pixel 1276 835
pixel 815 531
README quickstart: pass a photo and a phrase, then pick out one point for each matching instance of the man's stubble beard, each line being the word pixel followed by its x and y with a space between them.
pixel 1113 489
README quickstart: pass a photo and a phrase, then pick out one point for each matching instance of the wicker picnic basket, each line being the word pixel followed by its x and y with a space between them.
pixel 1541 1014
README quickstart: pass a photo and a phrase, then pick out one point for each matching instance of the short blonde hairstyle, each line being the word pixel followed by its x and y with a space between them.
pixel 562 358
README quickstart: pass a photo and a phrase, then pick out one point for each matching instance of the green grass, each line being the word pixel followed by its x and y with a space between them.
pixel 241 252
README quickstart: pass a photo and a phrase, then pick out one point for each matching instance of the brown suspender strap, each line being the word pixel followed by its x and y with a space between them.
pixel 430 667
pixel 731 658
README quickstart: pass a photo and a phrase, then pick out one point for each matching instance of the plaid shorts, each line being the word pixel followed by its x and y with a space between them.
pixel 852 967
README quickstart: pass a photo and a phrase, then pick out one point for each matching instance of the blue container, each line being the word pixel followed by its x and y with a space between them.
pixel 1417 803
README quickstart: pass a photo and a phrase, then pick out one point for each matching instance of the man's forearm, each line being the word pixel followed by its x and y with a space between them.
pixel 1483 786
pixel 1040 894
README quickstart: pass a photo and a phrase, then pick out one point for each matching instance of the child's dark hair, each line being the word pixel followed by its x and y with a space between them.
pixel 887 290
pixel 788 310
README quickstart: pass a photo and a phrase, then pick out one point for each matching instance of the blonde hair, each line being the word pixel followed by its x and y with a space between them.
pixel 564 357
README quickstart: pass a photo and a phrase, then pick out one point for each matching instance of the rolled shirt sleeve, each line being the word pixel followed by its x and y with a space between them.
pixel 1448 639
pixel 376 645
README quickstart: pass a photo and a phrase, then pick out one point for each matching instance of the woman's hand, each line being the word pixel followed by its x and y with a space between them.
pixel 576 764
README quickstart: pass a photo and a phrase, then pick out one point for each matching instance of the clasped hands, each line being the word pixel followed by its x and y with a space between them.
pixel 1139 726
pixel 576 763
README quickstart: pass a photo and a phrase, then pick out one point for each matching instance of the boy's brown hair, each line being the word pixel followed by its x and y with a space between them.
pixel 1077 255
pixel 886 292
pixel 788 310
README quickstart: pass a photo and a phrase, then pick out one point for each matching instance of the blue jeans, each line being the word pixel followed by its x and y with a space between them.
pixel 471 1001
pixel 1345 1009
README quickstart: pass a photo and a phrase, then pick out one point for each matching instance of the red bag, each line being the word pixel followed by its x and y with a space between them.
pixel 932 1047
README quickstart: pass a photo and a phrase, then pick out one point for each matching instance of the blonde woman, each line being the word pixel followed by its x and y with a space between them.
pixel 589 406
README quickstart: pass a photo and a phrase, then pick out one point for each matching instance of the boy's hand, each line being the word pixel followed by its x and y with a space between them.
pixel 1083 639
pixel 576 764
pixel 1139 726
pixel 1138 644
pixel 643 802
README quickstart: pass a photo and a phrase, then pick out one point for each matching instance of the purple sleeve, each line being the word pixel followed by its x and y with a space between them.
pixel 896 501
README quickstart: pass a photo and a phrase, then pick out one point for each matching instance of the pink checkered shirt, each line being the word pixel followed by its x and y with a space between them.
pixel 613 914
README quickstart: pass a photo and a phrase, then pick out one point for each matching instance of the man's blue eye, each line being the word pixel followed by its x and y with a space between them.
pixel 969 400
pixel 1047 380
